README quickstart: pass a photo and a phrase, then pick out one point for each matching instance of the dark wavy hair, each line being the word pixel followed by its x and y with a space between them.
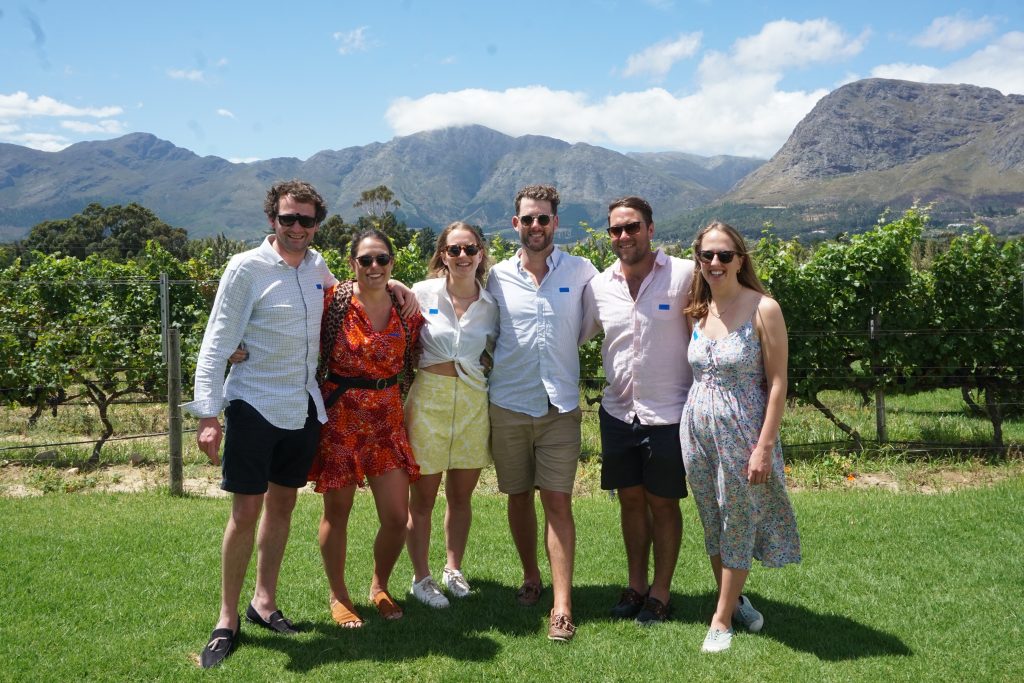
pixel 301 191
pixel 371 233
pixel 700 293
pixel 540 193
pixel 632 202
pixel 437 268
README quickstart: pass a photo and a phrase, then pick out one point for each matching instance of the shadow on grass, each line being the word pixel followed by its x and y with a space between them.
pixel 828 637
pixel 464 632
pixel 472 629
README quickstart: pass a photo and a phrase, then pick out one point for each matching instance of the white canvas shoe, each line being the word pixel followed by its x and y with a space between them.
pixel 717 640
pixel 428 592
pixel 455 582
pixel 748 617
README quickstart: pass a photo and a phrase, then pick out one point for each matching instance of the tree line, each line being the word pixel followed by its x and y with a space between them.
pixel 882 310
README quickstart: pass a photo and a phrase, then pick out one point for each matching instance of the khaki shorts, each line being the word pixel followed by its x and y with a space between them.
pixel 535 452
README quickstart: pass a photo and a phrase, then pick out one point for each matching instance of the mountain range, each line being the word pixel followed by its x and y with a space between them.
pixel 867 146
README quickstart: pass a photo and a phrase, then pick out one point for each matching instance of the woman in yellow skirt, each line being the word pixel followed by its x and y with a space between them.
pixel 446 410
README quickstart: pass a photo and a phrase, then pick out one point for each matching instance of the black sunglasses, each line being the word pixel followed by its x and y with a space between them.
pixel 288 220
pixel 709 256
pixel 456 249
pixel 366 260
pixel 629 228
pixel 543 219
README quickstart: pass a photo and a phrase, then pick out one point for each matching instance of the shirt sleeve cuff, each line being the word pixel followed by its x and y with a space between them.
pixel 207 407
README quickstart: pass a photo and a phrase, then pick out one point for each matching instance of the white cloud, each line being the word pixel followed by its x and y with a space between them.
pixel 226 113
pixel 46 142
pixel 713 121
pixel 663 5
pixel 658 59
pixel 999 65
pixel 352 41
pixel 20 105
pixel 450 59
pixel 737 107
pixel 784 43
pixel 243 160
pixel 222 62
pixel 194 75
pixel 954 32
pixel 105 126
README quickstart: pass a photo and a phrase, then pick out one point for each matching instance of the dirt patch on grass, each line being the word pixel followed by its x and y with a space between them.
pixel 20 480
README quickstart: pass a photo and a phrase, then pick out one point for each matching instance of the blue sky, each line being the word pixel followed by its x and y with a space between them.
pixel 256 80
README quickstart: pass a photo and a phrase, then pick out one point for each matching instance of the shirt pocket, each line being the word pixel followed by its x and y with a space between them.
pixel 666 308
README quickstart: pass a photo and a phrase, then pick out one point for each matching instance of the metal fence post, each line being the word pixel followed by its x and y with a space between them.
pixel 881 433
pixel 174 410
pixel 165 313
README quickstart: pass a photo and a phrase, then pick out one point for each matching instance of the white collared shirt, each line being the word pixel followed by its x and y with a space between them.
pixel 446 337
pixel 275 310
pixel 536 358
pixel 645 341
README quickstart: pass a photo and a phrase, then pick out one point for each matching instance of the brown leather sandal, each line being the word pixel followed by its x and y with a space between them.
pixel 387 608
pixel 345 615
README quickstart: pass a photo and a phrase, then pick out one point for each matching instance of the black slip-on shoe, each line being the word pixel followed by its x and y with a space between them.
pixel 276 622
pixel 222 643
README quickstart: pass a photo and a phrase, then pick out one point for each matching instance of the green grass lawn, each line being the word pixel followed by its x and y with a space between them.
pixel 892 587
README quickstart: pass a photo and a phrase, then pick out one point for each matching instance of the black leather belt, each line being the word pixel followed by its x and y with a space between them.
pixel 346 383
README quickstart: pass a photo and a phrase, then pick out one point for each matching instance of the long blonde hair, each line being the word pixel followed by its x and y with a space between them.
pixel 700 292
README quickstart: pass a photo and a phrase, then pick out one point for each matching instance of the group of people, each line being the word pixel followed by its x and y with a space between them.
pixel 695 356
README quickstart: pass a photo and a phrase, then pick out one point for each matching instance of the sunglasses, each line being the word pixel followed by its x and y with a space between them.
pixel 723 256
pixel 288 220
pixel 366 260
pixel 629 228
pixel 456 249
pixel 542 220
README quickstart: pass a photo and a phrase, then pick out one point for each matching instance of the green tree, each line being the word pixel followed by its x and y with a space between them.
pixel 116 232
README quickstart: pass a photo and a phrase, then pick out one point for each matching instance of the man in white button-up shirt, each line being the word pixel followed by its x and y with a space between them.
pixel 270 300
pixel 534 394
pixel 638 301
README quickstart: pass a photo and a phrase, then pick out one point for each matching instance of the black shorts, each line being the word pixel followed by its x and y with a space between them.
pixel 636 454
pixel 256 452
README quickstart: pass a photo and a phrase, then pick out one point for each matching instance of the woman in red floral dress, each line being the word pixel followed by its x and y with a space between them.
pixel 365 349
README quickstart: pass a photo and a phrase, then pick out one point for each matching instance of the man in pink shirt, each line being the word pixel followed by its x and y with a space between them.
pixel 638 302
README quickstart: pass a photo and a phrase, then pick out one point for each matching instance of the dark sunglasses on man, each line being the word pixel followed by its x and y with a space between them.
pixel 629 228
pixel 542 220
pixel 287 220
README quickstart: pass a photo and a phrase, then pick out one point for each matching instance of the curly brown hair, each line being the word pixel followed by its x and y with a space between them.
pixel 300 191
pixel 540 193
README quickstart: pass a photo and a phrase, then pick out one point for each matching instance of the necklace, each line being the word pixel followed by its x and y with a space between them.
pixel 474 297
pixel 723 312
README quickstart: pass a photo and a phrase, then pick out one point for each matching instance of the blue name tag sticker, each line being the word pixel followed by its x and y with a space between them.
pixel 432 311
pixel 695 334
pixel 563 289
pixel 663 307
pixel 319 286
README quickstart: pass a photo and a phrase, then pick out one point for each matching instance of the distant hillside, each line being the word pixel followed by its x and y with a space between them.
pixel 880 143
pixel 469 173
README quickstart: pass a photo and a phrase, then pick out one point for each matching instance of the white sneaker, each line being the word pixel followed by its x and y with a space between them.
pixel 455 582
pixel 428 592
pixel 717 640
pixel 748 617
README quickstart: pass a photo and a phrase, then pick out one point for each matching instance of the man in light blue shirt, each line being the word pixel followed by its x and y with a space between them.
pixel 271 300
pixel 534 394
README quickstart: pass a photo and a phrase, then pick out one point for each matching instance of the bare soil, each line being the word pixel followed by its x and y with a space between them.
pixel 18 480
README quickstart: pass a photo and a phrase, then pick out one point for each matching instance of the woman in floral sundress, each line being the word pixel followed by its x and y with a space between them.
pixel 730 426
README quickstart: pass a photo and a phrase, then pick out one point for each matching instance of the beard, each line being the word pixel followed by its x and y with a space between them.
pixel 534 246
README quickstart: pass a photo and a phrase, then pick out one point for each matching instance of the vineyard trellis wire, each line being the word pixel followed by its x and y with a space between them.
pixel 90 330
